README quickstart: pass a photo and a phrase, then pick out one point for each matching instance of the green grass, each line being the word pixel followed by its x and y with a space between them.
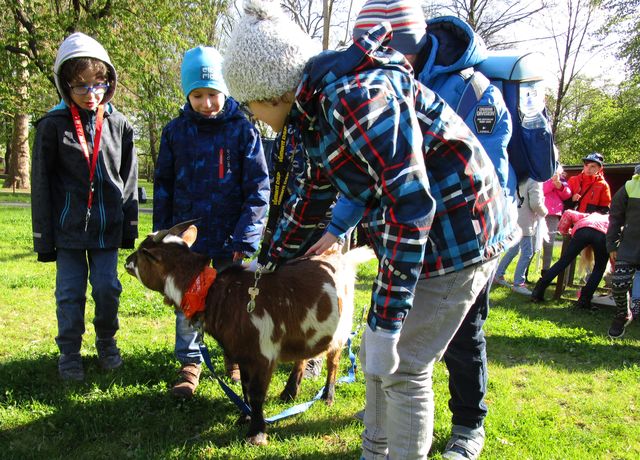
pixel 559 388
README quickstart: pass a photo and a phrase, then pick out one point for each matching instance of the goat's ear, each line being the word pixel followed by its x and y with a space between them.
pixel 189 235
pixel 150 255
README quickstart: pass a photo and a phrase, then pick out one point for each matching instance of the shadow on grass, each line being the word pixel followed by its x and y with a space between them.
pixel 14 257
pixel 581 344
pixel 129 413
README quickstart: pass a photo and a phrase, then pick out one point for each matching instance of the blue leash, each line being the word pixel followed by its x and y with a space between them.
pixel 293 410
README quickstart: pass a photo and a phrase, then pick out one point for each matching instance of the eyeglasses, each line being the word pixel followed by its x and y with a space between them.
pixel 82 90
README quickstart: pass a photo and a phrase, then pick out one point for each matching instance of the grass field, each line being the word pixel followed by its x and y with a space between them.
pixel 559 388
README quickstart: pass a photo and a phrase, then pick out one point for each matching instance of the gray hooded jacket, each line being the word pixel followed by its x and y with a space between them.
pixel 60 174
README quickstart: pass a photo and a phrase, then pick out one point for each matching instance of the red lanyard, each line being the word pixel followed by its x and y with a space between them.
pixel 93 161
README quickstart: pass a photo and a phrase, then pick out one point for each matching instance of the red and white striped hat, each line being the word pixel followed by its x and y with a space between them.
pixel 406 18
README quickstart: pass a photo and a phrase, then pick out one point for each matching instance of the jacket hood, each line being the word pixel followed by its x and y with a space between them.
pixel 368 51
pixel 230 111
pixel 80 45
pixel 453 46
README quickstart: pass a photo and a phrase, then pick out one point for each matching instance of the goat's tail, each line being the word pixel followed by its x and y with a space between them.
pixel 360 255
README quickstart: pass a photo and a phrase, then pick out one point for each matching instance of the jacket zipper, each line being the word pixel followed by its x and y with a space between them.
pixel 221 164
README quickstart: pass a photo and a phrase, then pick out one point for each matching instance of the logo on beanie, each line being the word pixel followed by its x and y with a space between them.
pixel 207 72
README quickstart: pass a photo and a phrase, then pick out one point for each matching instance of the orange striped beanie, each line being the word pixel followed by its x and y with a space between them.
pixel 406 18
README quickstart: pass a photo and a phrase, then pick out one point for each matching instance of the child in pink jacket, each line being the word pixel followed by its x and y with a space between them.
pixel 555 190
pixel 585 230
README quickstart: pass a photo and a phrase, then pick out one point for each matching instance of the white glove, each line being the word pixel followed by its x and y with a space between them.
pixel 381 351
pixel 251 266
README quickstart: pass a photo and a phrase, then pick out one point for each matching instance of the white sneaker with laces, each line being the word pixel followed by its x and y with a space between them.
pixel 521 289
pixel 501 281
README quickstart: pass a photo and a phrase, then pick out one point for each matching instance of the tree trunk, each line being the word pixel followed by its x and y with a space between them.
pixel 153 141
pixel 19 162
pixel 7 155
pixel 326 17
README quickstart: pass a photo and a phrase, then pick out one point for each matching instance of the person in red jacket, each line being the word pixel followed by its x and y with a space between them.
pixel 589 189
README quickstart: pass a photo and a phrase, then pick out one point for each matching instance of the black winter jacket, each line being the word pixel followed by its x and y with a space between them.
pixel 60 183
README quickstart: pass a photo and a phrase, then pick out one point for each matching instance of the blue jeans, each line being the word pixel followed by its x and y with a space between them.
pixel 525 247
pixel 187 347
pixel 73 266
pixel 582 238
pixel 399 407
pixel 635 290
pixel 466 361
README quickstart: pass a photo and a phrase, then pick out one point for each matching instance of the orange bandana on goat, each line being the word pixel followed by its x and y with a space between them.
pixel 193 300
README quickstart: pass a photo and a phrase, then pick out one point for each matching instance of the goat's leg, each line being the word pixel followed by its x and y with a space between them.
pixel 258 383
pixel 292 387
pixel 333 361
pixel 244 418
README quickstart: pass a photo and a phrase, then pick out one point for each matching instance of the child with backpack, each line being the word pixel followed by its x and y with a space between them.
pixel 479 103
pixel 84 199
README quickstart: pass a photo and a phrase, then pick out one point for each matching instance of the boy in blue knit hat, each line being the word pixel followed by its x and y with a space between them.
pixel 211 167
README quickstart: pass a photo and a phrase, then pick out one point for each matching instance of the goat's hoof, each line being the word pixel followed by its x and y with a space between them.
pixel 243 419
pixel 259 439
pixel 328 399
pixel 286 396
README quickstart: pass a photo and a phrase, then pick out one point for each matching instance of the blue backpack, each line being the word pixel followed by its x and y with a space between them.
pixel 531 148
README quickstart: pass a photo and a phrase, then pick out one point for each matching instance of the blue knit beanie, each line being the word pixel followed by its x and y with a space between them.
pixel 406 18
pixel 202 68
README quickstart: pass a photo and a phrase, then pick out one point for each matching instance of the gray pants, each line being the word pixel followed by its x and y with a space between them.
pixel 547 246
pixel 399 407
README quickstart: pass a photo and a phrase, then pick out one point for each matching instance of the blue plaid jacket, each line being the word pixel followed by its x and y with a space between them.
pixel 396 150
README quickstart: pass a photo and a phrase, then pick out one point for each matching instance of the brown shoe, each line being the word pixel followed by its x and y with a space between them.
pixel 188 382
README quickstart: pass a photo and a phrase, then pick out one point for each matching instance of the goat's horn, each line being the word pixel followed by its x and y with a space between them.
pixel 178 229
pixel 159 236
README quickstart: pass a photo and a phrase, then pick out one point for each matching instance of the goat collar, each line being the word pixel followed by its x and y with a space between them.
pixel 193 300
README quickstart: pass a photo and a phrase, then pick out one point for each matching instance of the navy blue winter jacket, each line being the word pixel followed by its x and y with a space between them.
pixel 213 169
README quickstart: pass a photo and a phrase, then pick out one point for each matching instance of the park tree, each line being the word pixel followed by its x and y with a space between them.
pixel 145 40
pixel 491 19
pixel 572 25
pixel 624 22
pixel 605 125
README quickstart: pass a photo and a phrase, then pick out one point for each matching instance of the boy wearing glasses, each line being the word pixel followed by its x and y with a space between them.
pixel 84 199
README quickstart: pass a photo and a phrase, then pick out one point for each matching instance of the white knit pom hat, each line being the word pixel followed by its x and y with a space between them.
pixel 266 53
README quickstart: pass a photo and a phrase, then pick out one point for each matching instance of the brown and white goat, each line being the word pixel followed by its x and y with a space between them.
pixel 302 310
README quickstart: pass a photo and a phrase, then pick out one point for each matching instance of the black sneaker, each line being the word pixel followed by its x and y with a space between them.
pixel 108 354
pixel 537 295
pixel 621 320
pixel 70 367
pixel 585 304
